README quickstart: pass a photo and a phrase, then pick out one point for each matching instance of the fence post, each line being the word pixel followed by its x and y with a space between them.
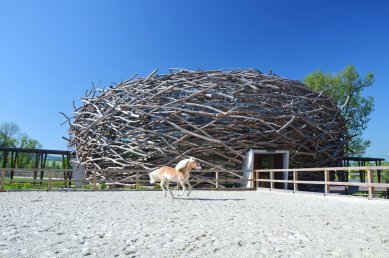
pixel 137 181
pixel 217 180
pixel 370 180
pixel 271 180
pixel 295 178
pixel 94 180
pixel 254 180
pixel 49 182
pixel 2 178
pixel 257 178
pixel 327 186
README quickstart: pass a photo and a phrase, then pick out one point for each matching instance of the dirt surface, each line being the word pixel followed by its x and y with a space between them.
pixel 206 224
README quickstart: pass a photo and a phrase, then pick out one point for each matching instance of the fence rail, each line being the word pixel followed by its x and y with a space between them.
pixel 370 170
pixel 139 178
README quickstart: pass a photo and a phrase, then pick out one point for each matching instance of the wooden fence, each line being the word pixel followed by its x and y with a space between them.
pixel 372 171
pixel 139 178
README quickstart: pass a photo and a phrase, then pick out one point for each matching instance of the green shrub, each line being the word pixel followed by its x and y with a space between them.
pixel 27 185
pixel 88 186
pixel 16 186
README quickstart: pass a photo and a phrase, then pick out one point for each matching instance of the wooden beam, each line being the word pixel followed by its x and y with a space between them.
pixel 370 181
pixel 295 184
pixel 43 165
pixel 36 165
pixel 217 180
pixel 5 158
pixel 327 186
pixel 94 181
pixel 49 182
pixel 2 178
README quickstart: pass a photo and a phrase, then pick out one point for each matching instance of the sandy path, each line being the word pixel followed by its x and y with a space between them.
pixel 209 224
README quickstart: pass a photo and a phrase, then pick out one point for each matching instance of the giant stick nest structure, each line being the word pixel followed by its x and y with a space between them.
pixel 214 116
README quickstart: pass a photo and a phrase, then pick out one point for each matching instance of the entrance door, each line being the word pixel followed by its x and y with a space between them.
pixel 269 161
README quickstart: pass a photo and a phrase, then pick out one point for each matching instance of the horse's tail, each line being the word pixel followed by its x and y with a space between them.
pixel 154 176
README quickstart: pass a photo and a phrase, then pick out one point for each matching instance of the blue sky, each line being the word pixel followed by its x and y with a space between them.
pixel 51 51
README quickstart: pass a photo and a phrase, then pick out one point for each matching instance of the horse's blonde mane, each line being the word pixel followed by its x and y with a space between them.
pixel 183 163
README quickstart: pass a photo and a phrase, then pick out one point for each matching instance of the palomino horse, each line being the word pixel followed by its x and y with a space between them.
pixel 178 174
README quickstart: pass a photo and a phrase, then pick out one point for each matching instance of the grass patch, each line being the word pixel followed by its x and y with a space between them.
pixel 29 183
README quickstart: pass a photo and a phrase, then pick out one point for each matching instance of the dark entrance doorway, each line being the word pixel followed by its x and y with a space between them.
pixel 269 161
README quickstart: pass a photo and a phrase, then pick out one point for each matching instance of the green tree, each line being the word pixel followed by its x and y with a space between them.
pixel 346 88
pixel 26 159
pixel 11 136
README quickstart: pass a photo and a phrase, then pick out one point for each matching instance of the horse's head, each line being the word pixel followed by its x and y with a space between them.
pixel 193 164
pixel 187 165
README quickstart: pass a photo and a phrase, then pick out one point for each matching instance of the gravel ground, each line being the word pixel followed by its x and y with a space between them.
pixel 206 224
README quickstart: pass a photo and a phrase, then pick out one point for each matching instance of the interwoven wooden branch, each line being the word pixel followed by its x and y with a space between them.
pixel 214 116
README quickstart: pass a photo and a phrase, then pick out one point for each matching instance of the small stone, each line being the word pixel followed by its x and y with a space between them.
pixel 130 250
pixel 85 251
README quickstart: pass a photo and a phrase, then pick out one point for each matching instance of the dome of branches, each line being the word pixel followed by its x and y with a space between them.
pixel 214 116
